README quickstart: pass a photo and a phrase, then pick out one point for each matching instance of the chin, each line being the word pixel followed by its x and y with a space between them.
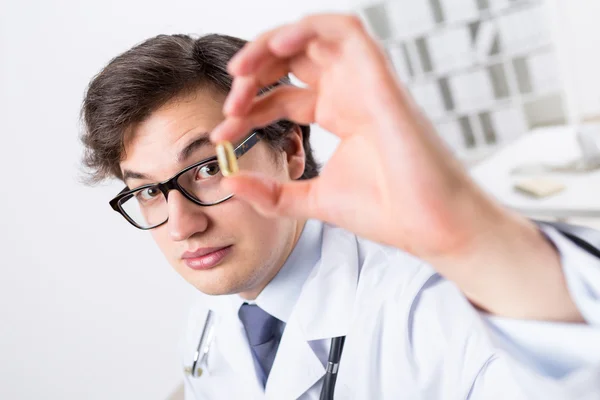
pixel 214 290
pixel 215 282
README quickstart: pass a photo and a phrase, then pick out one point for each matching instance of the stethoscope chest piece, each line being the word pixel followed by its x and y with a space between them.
pixel 200 358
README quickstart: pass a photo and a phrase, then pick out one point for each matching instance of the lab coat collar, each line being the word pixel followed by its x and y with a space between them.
pixel 326 303
pixel 231 344
pixel 323 311
pixel 281 294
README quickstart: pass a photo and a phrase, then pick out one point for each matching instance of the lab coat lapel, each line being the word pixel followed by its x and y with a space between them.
pixel 327 300
pixel 296 367
pixel 232 346
pixel 323 310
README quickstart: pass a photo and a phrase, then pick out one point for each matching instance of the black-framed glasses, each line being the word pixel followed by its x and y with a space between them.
pixel 146 207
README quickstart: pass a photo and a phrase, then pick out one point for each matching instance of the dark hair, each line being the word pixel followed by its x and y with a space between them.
pixel 141 80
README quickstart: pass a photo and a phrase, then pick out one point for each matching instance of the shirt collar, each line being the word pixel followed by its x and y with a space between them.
pixel 279 296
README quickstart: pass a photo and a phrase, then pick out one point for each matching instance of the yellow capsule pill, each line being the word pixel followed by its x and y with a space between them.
pixel 227 159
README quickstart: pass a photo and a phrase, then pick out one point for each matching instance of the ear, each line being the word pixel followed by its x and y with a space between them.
pixel 295 156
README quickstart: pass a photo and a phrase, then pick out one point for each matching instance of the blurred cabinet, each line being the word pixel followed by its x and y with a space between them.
pixel 484 71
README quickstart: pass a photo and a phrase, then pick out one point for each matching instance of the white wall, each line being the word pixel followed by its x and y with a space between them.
pixel 583 19
pixel 88 307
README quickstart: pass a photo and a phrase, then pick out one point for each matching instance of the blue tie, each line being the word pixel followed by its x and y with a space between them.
pixel 262 330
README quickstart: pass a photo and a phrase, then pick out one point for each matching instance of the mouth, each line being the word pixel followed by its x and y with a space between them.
pixel 206 258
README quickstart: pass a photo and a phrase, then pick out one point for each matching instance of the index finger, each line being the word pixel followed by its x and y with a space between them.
pixel 290 40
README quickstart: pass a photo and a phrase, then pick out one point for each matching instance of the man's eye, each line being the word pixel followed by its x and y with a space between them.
pixel 207 171
pixel 148 193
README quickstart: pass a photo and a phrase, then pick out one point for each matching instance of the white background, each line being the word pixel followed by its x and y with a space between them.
pixel 88 307
pixel 582 22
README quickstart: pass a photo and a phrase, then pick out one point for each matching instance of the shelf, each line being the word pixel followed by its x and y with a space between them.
pixel 453 115
pixel 499 104
pixel 480 66
pixel 484 15
pixel 491 60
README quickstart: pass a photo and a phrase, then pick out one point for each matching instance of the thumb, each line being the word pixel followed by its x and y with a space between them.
pixel 273 198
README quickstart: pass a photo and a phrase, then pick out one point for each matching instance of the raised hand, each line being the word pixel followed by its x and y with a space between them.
pixel 390 179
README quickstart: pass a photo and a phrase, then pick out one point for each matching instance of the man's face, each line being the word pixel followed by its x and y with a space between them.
pixel 225 248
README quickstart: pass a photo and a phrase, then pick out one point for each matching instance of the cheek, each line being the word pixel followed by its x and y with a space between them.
pixel 238 218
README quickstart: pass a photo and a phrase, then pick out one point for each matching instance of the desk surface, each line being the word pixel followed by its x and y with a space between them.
pixel 556 145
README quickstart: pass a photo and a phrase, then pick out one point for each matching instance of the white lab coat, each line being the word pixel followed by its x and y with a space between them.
pixel 410 335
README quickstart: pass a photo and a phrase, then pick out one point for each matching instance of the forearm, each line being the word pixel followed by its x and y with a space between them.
pixel 510 269
pixel 501 261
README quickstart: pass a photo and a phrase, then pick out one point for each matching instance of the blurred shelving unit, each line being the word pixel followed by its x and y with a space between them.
pixel 484 71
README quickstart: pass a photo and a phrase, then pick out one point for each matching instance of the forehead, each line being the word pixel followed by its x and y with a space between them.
pixel 153 144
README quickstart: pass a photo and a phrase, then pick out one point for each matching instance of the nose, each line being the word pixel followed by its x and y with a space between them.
pixel 185 217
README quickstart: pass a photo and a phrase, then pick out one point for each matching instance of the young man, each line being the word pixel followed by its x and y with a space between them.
pixel 276 285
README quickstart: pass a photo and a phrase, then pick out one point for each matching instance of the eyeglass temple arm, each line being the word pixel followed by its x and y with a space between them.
pixel 247 144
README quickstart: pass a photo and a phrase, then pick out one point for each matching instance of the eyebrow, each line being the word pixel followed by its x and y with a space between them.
pixel 127 174
pixel 201 141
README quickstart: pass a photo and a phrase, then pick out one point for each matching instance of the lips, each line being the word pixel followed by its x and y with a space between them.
pixel 205 258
